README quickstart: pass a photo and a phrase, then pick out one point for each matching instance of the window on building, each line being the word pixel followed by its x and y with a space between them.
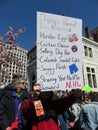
pixel 89 79
pixel 88 69
pixel 85 51
pixel 94 80
pixel 91 75
pixel 88 51
pixel 92 70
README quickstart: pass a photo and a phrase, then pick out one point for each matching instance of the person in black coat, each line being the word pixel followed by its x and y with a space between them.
pixel 14 95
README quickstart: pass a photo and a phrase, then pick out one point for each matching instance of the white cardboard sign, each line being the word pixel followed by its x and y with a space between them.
pixel 59 52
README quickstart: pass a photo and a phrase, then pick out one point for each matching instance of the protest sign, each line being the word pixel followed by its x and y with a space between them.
pixel 59 52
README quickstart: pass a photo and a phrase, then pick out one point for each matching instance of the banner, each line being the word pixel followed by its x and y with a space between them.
pixel 59 52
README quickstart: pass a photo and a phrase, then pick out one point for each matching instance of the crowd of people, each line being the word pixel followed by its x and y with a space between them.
pixel 50 110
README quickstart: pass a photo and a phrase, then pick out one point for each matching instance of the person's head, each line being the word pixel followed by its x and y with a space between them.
pixel 18 83
pixel 86 97
pixel 36 90
pixel 94 96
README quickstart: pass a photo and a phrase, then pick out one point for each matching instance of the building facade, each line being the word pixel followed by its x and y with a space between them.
pixel 90 63
pixel 13 59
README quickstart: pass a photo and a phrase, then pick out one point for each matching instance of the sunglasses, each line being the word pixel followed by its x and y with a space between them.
pixel 23 83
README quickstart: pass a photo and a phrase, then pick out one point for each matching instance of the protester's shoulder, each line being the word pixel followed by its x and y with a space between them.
pixel 5 97
pixel 88 106
pixel 6 89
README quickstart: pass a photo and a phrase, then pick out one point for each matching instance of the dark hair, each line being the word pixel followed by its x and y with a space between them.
pixel 94 96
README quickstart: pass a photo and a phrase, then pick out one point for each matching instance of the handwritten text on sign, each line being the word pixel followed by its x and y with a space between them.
pixel 59 52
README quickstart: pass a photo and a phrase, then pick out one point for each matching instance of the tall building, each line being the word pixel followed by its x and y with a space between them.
pixel 13 59
pixel 90 60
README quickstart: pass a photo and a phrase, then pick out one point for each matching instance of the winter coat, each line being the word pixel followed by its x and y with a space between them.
pixel 52 109
pixel 9 108
pixel 88 118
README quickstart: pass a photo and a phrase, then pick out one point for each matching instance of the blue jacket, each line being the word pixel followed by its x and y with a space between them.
pixel 63 118
pixel 88 118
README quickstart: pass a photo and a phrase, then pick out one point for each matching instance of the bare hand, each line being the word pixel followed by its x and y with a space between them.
pixel 8 128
